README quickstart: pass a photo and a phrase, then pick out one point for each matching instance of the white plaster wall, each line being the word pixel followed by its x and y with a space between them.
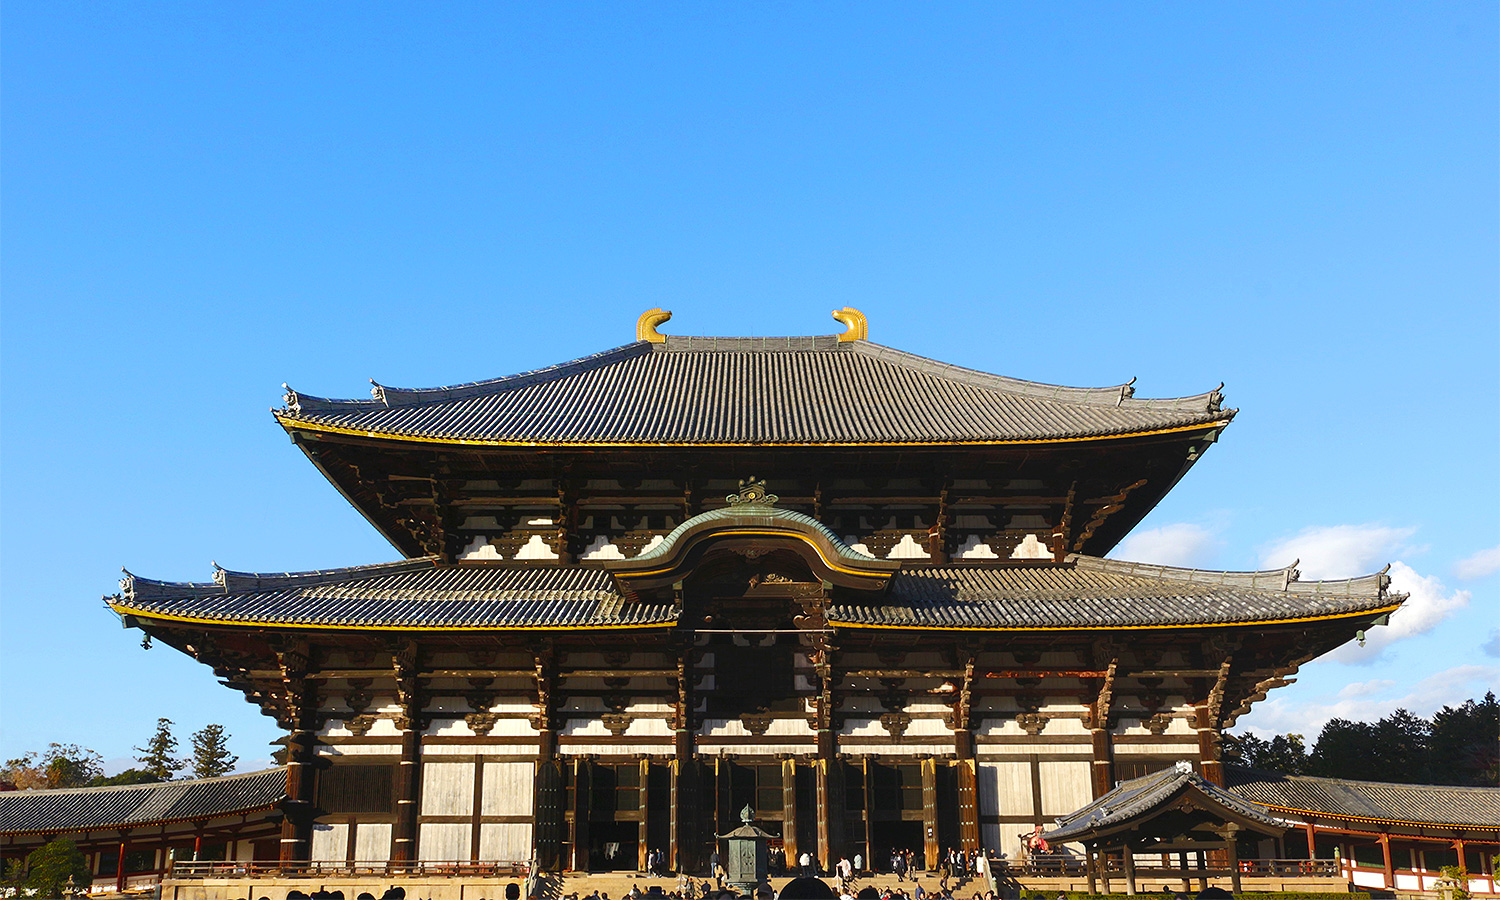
pixel 448 790
pixel 330 842
pixel 736 728
pixel 443 842
pixel 505 842
pixel 1066 786
pixel 392 749
pixel 807 749
pixel 508 789
pixel 372 841
pixel 615 750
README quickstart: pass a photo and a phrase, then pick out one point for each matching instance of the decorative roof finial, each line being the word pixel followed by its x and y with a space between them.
pixel 859 326
pixel 645 326
pixel 747 815
pixel 752 493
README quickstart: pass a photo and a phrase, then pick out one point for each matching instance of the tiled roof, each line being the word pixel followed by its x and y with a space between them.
pixel 1091 592
pixel 785 390
pixel 1139 796
pixel 1084 592
pixel 1416 803
pixel 86 809
pixel 416 593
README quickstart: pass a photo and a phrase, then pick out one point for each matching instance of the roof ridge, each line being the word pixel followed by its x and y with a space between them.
pixel 1286 579
pixel 386 396
pixel 228 581
pixel 150 785
pixel 1112 395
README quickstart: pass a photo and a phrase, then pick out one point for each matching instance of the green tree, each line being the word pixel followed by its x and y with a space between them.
pixel 1465 743
pixel 157 756
pixel 211 756
pixel 129 776
pixel 61 766
pixel 49 867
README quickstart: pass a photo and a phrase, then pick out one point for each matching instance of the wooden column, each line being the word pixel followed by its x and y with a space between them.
pixel 1103 769
pixel 930 849
pixel 828 770
pixel 869 835
pixel 404 845
pixel 120 862
pixel 1091 866
pixel 1128 856
pixel 642 834
pixel 1312 845
pixel 967 774
pixel 789 813
pixel 683 830
pixel 1232 855
pixel 301 721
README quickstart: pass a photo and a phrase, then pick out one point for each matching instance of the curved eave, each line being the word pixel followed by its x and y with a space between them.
pixel 1371 820
pixel 877 569
pixel 294 424
pixel 147 616
pixel 1172 626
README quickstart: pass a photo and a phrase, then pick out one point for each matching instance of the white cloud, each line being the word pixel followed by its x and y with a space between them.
pixel 1428 603
pixel 1449 687
pixel 1491 645
pixel 1365 688
pixel 1337 551
pixel 1182 544
pixel 1485 562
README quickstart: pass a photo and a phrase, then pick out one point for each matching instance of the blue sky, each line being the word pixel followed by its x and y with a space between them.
pixel 203 201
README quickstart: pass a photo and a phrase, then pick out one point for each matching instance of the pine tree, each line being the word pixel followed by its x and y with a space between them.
pixel 156 757
pixel 211 756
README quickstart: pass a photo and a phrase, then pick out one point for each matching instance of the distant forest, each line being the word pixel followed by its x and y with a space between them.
pixel 1458 745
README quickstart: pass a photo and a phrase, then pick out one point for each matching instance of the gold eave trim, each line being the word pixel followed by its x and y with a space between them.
pixel 1252 622
pixel 123 610
pixel 764 532
pixel 1371 820
pixel 291 423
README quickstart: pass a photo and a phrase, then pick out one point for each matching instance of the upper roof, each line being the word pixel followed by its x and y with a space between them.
pixel 1081 593
pixel 1421 804
pixel 90 809
pixel 1139 797
pixel 739 390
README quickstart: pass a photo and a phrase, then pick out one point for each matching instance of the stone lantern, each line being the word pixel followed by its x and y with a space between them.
pixel 745 862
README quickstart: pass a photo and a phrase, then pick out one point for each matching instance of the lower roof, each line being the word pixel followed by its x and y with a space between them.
pixel 1368 801
pixel 125 806
pixel 1079 593
pixel 1133 803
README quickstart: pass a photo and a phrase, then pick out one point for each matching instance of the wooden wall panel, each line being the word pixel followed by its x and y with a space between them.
pixel 1066 786
pixel 330 842
pixel 372 841
pixel 448 788
pixel 1010 788
pixel 442 842
pixel 508 841
pixel 507 789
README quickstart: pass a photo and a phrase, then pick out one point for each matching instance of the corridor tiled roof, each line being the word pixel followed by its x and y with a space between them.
pixel 1083 592
pixel 783 390
pixel 1434 804
pixel 83 809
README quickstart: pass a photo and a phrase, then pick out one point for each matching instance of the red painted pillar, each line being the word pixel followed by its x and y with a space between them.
pixel 1385 854
pixel 120 865
pixel 1312 845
